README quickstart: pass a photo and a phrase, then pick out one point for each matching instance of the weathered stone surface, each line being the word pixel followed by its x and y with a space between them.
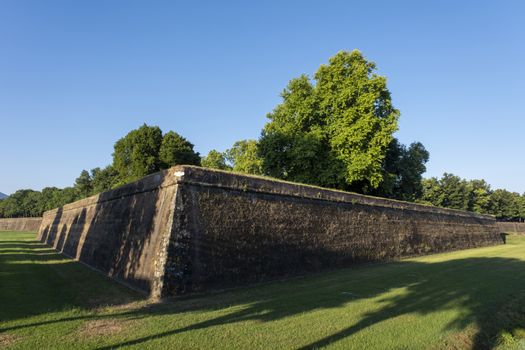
pixel 190 229
pixel 511 227
pixel 20 224
pixel 119 232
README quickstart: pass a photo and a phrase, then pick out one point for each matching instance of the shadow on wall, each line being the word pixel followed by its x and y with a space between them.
pixel 226 236
pixel 243 236
pixel 50 231
pixel 114 233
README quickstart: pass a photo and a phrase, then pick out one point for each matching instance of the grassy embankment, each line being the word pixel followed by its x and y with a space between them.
pixel 472 298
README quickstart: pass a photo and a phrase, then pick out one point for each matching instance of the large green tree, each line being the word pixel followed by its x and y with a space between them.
pixel 175 149
pixel 480 197
pixel 450 191
pixel 215 160
pixel 145 150
pixel 333 131
pixel 84 184
pixel 244 157
pixel 104 179
pixel 403 170
pixel 505 204
pixel 137 154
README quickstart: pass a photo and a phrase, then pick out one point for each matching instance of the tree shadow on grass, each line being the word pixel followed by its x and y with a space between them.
pixel 36 280
pixel 17 250
pixel 489 290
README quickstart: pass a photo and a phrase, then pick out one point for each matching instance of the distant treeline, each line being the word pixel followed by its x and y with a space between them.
pixel 451 191
pixel 141 152
pixel 335 130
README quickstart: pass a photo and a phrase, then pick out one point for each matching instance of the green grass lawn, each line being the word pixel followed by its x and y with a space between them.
pixel 467 299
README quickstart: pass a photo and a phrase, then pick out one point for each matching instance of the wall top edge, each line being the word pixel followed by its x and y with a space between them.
pixel 243 182
pixel 198 176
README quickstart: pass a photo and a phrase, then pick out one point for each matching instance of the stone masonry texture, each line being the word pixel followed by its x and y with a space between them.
pixel 190 229
pixel 20 224
pixel 512 227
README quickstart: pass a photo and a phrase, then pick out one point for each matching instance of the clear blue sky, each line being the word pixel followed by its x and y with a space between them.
pixel 77 75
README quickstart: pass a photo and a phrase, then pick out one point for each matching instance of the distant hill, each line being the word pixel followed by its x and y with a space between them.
pixel 3 195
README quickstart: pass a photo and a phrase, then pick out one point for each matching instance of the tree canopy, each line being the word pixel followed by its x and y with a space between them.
pixel 215 160
pixel 244 157
pixel 84 183
pixel 403 169
pixel 140 152
pixel 451 191
pixel 137 154
pixel 333 131
pixel 175 149
pixel 145 150
pixel 29 203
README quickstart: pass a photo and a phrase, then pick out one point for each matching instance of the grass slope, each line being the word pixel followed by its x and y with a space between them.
pixel 467 299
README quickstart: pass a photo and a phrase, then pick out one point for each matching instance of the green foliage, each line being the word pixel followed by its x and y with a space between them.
pixel 505 204
pixel 104 179
pixel 175 149
pixel 137 154
pixel 141 152
pixel 84 184
pixel 475 195
pixel 29 203
pixel 34 203
pixel 244 157
pixel 403 169
pixel 449 192
pixel 480 197
pixel 335 130
pixel 332 133
pixel 145 150
pixel 22 203
pixel 215 160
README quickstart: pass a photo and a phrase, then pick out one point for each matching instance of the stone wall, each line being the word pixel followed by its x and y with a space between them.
pixel 20 224
pixel 120 233
pixel 190 229
pixel 511 227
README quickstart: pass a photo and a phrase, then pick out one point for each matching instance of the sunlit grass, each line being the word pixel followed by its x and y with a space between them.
pixel 471 298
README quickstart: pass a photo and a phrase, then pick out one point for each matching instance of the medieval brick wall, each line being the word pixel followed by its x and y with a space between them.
pixel 511 227
pixel 20 224
pixel 118 232
pixel 190 229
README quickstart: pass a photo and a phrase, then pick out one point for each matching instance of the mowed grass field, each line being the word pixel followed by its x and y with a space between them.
pixel 467 299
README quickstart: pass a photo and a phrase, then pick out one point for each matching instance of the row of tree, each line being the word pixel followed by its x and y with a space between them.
pixel 451 191
pixel 28 203
pixel 335 130
pixel 141 152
